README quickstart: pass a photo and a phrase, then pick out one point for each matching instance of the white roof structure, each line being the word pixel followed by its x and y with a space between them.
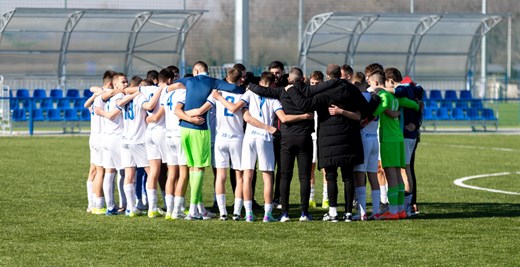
pixel 64 43
pixel 423 46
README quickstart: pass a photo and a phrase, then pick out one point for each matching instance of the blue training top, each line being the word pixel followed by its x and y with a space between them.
pixel 198 89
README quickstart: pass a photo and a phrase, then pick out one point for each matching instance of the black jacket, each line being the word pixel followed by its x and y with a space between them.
pixel 339 138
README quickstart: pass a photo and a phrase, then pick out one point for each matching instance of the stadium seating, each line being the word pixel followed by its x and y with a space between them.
pixel 85 115
pixel 40 93
pixel 56 93
pixel 87 93
pixel 465 95
pixel 477 103
pixel 473 114
pixel 63 104
pixel 47 104
pixel 22 93
pixel 488 114
pixel 450 95
pixel 72 93
pixel 463 104
pixel 78 103
pixel 54 115
pixel 71 115
pixel 458 114
pixel 435 95
pixel 37 115
pixel 443 114
pixel 19 115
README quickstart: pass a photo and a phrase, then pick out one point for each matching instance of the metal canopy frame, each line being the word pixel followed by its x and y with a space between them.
pixel 154 37
pixel 334 35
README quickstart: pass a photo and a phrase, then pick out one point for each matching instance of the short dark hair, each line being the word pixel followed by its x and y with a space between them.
pixel 348 69
pixel 152 75
pixel 173 69
pixel 369 69
pixel 135 81
pixel 239 66
pixel 334 71
pixel 317 75
pixel 165 75
pixel 107 76
pixel 267 77
pixel 277 65
pixel 234 75
pixel 379 76
pixel 394 74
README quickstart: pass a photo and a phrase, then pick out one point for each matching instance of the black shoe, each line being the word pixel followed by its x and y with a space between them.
pixel 257 206
pixel 329 218
pixel 347 217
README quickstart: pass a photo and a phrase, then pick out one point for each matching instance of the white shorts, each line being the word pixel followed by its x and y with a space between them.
pixel 409 144
pixel 314 150
pixel 213 164
pixel 252 148
pixel 134 155
pixel 174 153
pixel 96 149
pixel 112 152
pixel 156 143
pixel 371 153
pixel 227 150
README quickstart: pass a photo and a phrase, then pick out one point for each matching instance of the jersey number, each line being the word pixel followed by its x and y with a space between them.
pixel 169 102
pixel 129 111
pixel 230 99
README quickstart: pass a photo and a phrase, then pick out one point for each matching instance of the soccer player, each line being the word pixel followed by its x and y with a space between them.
pixel 195 139
pixel 339 139
pixel 347 73
pixel 391 144
pixel 133 150
pixel 113 128
pixel 228 142
pixel 95 181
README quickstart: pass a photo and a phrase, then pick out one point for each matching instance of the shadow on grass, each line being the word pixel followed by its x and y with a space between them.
pixel 434 210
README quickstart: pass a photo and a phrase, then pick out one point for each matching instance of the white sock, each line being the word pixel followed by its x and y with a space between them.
pixel 193 209
pixel 169 203
pixel 376 198
pixel 238 206
pixel 333 211
pixel 312 193
pixel 130 196
pixel 268 208
pixel 384 193
pixel 407 202
pixel 221 201
pixel 248 204
pixel 325 192
pixel 176 205
pixel 361 197
pixel 98 202
pixel 121 188
pixel 108 189
pixel 152 199
pixel 90 195
pixel 183 204
pixel 201 208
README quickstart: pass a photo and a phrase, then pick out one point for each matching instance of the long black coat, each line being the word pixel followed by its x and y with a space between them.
pixel 339 138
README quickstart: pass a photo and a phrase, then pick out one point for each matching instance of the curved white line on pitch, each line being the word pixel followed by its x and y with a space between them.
pixel 476 147
pixel 460 182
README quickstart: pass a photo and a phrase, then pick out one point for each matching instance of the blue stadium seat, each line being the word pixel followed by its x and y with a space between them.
pixel 87 93
pixel 63 104
pixel 78 103
pixel 40 93
pixel 429 113
pixel 85 115
pixel 450 95
pixel 488 114
pixel 19 115
pixel 37 115
pixel 435 95
pixel 442 114
pixel 22 93
pixel 458 114
pixel 431 104
pixel 447 104
pixel 54 115
pixel 473 114
pixel 72 93
pixel 47 104
pixel 465 94
pixel 463 104
pixel 71 115
pixel 477 103
pixel 56 93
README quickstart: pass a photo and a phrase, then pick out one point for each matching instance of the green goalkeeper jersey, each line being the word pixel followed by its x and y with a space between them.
pixel 389 128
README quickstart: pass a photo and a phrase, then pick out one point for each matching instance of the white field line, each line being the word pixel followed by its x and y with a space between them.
pixel 476 147
pixel 460 182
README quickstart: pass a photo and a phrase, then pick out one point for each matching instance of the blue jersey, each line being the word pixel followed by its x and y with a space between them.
pixel 198 89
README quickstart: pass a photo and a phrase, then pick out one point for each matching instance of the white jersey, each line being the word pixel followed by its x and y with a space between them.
pixel 96 121
pixel 114 126
pixel 262 109
pixel 370 130
pixel 134 117
pixel 169 102
pixel 148 91
pixel 229 125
